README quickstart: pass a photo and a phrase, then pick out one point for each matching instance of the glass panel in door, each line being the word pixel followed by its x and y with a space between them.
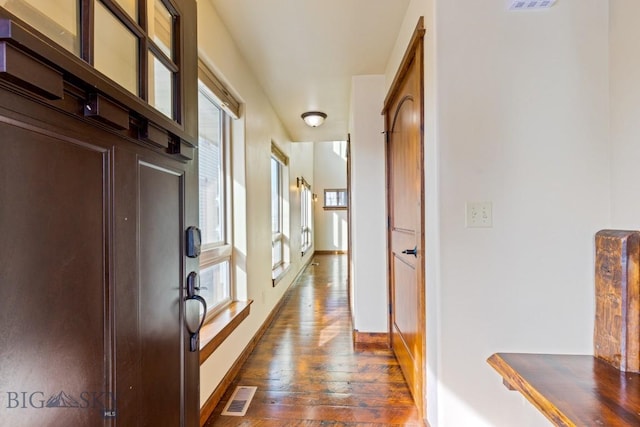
pixel 57 19
pixel 116 49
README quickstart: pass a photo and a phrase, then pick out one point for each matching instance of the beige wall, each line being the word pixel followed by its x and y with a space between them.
pixel 330 172
pixel 625 113
pixel 369 256
pixel 517 114
pixel 522 109
pixel 253 133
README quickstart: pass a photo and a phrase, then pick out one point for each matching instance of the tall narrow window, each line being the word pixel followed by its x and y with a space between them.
pixel 305 216
pixel 279 182
pixel 162 68
pixel 160 26
pixel 116 52
pixel 277 254
pixel 213 143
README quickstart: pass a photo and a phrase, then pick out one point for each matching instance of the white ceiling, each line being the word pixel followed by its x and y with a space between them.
pixel 304 53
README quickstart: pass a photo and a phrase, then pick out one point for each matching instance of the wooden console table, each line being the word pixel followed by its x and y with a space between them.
pixel 573 390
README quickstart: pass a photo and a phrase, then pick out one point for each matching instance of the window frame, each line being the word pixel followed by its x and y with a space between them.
pixel 337 192
pixel 277 234
pixel 306 216
pixel 280 235
pixel 146 46
pixel 219 252
pixel 219 324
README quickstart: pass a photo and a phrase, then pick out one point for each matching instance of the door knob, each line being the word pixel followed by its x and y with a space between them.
pixel 195 334
pixel 413 252
pixel 193 286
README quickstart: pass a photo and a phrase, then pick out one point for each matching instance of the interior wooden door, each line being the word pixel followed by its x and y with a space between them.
pixel 403 124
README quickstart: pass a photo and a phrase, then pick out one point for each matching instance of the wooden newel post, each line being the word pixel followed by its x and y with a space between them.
pixel 616 337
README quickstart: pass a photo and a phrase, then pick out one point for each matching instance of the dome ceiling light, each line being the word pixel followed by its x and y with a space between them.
pixel 314 118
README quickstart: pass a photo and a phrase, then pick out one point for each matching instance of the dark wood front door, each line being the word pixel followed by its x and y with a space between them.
pixel 97 187
pixel 53 279
pixel 92 271
pixel 157 375
pixel 403 124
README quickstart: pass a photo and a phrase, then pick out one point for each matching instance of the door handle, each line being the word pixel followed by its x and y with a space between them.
pixel 413 252
pixel 194 335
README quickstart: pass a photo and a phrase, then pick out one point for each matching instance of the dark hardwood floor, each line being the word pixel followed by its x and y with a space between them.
pixel 307 370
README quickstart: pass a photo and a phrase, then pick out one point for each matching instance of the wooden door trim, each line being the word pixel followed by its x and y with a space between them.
pixel 414 52
pixel 349 235
pixel 415 44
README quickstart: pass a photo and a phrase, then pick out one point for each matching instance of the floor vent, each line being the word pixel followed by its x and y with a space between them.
pixel 239 401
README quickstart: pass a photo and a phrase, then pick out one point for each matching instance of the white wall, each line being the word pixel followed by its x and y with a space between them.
pixel 517 114
pixel 252 136
pixel 625 113
pixel 370 294
pixel 330 172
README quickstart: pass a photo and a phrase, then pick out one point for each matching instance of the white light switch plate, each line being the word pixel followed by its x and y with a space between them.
pixel 479 215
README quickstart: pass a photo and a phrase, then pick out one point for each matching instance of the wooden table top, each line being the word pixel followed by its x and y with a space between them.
pixel 573 390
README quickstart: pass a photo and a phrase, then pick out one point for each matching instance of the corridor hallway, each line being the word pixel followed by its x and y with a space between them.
pixel 307 370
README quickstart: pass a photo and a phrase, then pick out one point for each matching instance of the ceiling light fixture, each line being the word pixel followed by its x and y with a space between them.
pixel 314 118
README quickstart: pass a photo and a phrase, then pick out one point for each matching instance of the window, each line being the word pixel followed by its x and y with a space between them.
pixel 129 41
pixel 335 199
pixel 57 19
pixel 277 253
pixel 305 215
pixel 116 52
pixel 213 144
pixel 216 109
pixel 278 163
